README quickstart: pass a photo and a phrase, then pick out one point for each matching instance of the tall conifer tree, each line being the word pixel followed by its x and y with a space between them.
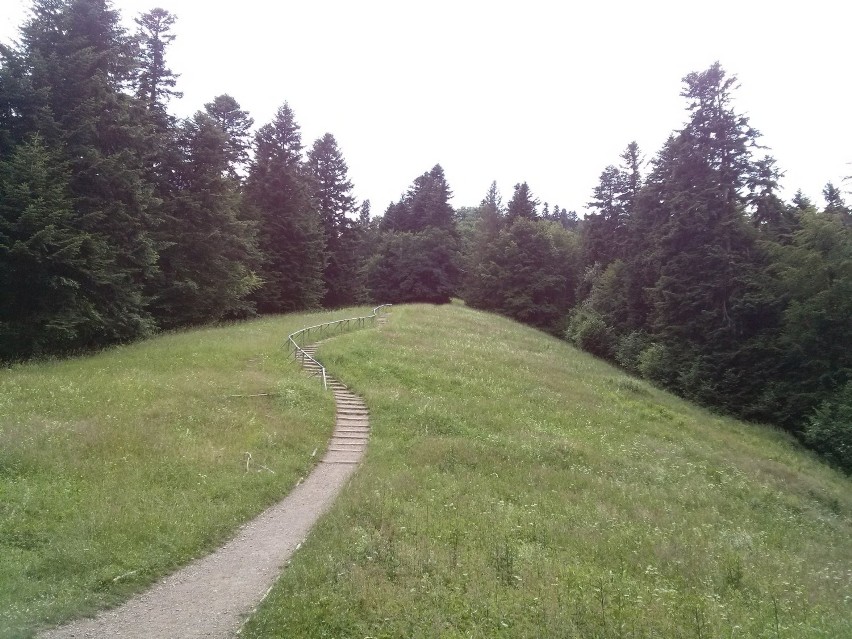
pixel 426 204
pixel 51 272
pixel 290 231
pixel 207 269
pixel 79 65
pixel 695 259
pixel 155 83
pixel 418 255
pixel 522 204
pixel 236 123
pixel 614 199
pixel 333 194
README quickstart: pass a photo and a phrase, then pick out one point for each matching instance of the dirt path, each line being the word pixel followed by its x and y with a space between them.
pixel 212 596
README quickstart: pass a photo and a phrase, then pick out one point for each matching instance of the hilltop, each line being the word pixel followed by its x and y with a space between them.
pixel 515 485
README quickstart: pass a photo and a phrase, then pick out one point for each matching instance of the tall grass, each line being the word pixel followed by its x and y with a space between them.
pixel 119 467
pixel 517 487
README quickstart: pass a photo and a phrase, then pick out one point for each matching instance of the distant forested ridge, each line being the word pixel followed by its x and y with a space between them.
pixel 118 219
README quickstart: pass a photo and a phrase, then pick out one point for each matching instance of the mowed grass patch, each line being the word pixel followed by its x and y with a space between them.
pixel 514 486
pixel 119 467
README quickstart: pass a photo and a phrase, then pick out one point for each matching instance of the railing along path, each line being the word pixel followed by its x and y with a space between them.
pixel 213 595
pixel 299 353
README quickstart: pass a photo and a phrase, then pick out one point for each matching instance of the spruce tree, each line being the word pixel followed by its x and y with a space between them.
pixel 521 266
pixel 208 268
pixel 155 82
pixel 526 271
pixel 767 209
pixel 604 230
pixel 492 212
pixel 488 224
pixel 236 123
pixel 333 195
pixel 415 267
pixel 19 104
pixel 426 204
pixel 812 273
pixel 418 253
pixel 51 271
pixel 364 214
pixel 614 199
pixel 631 168
pixel 834 200
pixel 801 201
pixel 290 230
pixel 702 256
pixel 368 246
pixel 79 65
pixel 522 204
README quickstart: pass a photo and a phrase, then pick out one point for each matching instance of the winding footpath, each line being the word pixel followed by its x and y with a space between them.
pixel 212 596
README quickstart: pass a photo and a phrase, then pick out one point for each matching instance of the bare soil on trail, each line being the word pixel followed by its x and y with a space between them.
pixel 212 596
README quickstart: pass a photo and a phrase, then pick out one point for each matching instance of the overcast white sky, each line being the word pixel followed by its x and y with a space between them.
pixel 538 91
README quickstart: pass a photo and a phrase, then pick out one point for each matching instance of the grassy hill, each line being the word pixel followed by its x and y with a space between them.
pixel 513 486
pixel 517 487
pixel 118 467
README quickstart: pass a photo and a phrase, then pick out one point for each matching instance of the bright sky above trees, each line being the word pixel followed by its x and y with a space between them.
pixel 514 92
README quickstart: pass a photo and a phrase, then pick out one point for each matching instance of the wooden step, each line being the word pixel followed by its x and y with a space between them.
pixel 352 422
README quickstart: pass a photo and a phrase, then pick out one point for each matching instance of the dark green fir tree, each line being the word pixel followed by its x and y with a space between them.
pixel 336 205
pixel 280 190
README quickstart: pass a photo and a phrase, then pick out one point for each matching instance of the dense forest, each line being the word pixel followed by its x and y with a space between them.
pixel 118 219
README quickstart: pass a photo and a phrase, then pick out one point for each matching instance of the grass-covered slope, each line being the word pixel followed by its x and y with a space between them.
pixel 118 467
pixel 517 487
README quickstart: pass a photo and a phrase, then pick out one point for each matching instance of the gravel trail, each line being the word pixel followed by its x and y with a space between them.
pixel 212 596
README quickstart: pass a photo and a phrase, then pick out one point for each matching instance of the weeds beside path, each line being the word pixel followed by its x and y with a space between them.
pixel 117 468
pixel 210 597
pixel 519 488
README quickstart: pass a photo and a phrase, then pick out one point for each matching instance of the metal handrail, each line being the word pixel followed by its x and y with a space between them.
pixel 300 355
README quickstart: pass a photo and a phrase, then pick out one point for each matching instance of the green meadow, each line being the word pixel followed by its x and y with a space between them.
pixel 513 486
pixel 517 487
pixel 119 467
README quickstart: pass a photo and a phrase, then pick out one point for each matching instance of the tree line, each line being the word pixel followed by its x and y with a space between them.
pixel 691 271
pixel 118 219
